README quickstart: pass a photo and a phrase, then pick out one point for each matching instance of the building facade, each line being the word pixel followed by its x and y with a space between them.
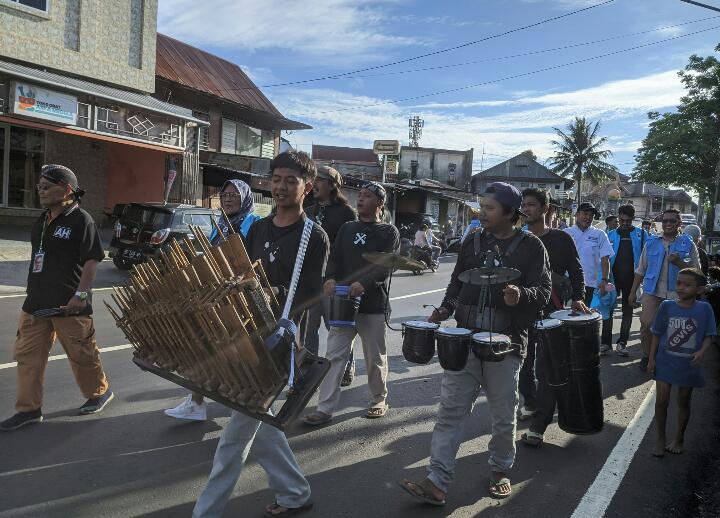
pixel 453 168
pixel 650 200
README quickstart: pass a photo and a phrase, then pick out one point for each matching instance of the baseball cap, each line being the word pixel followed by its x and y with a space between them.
pixel 329 173
pixel 586 206
pixel 507 194
pixel 377 189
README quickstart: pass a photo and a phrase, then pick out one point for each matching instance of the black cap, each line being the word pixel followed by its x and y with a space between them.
pixel 586 206
pixel 377 189
pixel 59 174
pixel 507 194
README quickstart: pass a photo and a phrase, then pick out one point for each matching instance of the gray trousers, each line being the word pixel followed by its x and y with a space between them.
pixel 274 455
pixel 371 328
pixel 458 393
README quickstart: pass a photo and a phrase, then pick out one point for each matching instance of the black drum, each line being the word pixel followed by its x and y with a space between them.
pixel 580 403
pixel 343 308
pixel 418 341
pixel 555 353
pixel 490 347
pixel 453 347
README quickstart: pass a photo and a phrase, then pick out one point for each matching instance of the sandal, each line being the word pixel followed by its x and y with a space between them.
pixel 376 412
pixel 317 418
pixel 496 488
pixel 419 493
pixel 274 509
pixel 532 439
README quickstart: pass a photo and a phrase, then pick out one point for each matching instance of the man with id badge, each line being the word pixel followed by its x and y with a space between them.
pixel 66 249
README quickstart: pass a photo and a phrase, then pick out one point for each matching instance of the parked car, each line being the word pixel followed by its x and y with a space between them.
pixel 143 229
pixel 688 219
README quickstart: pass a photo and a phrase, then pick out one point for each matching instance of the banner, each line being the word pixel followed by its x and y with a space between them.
pixel 40 103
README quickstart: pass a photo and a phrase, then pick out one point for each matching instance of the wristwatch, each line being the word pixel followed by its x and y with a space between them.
pixel 82 295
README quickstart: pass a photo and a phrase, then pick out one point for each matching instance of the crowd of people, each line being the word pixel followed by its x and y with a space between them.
pixel 578 266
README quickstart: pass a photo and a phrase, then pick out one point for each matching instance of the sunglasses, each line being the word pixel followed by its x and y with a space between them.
pixel 48 186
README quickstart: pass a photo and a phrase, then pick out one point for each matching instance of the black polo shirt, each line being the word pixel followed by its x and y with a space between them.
pixel 69 241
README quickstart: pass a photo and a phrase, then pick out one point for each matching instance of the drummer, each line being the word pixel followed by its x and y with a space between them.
pixel 347 266
pixel 512 309
pixel 567 282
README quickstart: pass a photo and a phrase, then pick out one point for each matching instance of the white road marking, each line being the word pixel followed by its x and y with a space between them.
pixel 63 356
pixel 601 492
pixel 23 294
pixel 127 346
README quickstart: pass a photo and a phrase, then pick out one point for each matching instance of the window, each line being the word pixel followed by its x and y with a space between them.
pixel 451 174
pixel 681 207
pixel 413 169
pixel 557 187
pixel 203 221
pixel 241 139
pixel 40 5
pixel 25 158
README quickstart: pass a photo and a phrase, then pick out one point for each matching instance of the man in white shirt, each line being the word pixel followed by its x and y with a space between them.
pixel 594 250
pixel 424 239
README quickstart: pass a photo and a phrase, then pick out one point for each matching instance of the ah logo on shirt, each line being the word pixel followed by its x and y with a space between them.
pixel 62 233
pixel 360 238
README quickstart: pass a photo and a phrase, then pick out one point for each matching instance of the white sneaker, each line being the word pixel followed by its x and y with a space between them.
pixel 525 413
pixel 188 409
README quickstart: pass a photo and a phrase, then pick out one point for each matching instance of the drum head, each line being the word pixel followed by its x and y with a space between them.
pixel 490 338
pixel 419 324
pixel 548 323
pixel 454 331
pixel 569 316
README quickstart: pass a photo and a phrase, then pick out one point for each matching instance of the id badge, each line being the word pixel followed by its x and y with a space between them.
pixel 38 261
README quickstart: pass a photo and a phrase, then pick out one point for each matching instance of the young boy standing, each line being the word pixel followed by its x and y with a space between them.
pixel 682 334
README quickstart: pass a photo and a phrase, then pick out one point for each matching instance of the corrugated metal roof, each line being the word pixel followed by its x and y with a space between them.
pixel 519 167
pixel 105 92
pixel 199 70
pixel 345 154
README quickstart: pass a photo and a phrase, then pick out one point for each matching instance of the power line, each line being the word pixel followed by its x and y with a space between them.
pixel 421 56
pixel 514 76
pixel 706 6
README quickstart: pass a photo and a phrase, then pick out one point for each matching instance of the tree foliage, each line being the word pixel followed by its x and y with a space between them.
pixel 529 153
pixel 579 153
pixel 683 148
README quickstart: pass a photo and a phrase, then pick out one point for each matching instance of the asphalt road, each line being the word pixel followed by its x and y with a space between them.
pixel 131 460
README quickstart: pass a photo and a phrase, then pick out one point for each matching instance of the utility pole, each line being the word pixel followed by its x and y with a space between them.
pixel 416 126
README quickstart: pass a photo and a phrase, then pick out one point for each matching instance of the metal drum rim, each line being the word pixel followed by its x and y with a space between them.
pixel 545 327
pixel 501 338
pixel 442 332
pixel 427 326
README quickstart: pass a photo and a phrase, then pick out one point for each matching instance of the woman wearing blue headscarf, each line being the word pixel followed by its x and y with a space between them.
pixel 236 200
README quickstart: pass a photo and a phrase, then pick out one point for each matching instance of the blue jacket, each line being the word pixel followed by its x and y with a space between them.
pixel 638 236
pixel 244 227
pixel 655 252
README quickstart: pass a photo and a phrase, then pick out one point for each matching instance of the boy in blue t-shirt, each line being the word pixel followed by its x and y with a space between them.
pixel 683 330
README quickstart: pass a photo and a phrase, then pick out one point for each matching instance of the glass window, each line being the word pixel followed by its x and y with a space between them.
pixel 41 5
pixel 203 221
pixel 249 140
pixel 26 160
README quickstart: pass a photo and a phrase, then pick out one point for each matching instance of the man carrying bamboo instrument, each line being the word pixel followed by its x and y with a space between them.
pixel 275 241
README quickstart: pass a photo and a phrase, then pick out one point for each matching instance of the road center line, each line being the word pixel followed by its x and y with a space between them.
pixel 601 492
pixel 128 346
pixel 63 356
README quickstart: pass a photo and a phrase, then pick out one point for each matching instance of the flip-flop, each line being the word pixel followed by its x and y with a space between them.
pixel 419 493
pixel 289 511
pixel 533 439
pixel 494 490
pixel 377 412
pixel 317 418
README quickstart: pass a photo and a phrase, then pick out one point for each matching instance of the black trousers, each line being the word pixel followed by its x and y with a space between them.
pixel 623 287
pixel 526 381
pixel 545 398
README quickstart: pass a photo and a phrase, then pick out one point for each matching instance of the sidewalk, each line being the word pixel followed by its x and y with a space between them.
pixel 15 253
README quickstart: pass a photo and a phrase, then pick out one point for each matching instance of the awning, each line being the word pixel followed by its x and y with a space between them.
pixel 135 99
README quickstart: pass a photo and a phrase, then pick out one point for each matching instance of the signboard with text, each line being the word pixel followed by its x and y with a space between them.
pixel 386 147
pixel 33 101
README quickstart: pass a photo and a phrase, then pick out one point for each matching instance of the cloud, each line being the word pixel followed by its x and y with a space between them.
pixel 353 29
pixel 514 125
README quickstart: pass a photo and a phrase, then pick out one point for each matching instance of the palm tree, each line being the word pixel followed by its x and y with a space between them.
pixel 578 154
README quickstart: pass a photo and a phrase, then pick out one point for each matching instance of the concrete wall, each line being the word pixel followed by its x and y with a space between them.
pixel 106 40
pixel 434 165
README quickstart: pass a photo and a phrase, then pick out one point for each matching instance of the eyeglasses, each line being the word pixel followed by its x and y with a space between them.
pixel 670 222
pixel 229 195
pixel 47 187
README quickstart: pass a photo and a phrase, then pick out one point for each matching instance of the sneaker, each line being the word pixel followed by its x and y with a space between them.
pixel 96 404
pixel 189 410
pixel 21 419
pixel 349 375
pixel 643 363
pixel 621 350
pixel 605 348
pixel 525 413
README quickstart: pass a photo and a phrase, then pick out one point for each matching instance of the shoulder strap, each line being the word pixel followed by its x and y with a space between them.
pixel 519 236
pixel 304 239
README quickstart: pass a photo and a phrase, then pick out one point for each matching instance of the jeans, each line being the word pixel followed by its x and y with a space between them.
pixel 371 328
pixel 623 288
pixel 526 383
pixel 458 393
pixel 274 455
pixel 435 252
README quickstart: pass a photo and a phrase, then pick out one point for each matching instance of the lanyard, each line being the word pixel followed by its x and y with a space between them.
pixel 42 234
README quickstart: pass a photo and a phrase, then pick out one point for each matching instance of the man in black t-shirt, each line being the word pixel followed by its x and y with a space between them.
pixel 66 249
pixel 348 267
pixel 275 241
pixel 567 283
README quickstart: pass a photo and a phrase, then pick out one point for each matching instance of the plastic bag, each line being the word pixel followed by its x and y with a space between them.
pixel 605 304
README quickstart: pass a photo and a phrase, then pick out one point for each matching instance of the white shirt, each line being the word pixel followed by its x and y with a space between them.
pixel 592 245
pixel 421 238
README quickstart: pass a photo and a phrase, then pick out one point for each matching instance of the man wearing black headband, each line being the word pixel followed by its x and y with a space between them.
pixel 66 249
pixel 348 267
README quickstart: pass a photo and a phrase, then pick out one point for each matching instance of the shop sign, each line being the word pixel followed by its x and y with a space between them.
pixel 40 103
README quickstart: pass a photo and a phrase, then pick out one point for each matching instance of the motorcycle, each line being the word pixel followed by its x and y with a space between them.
pixel 423 256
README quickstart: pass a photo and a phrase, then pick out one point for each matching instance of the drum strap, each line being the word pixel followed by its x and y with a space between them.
pixel 489 240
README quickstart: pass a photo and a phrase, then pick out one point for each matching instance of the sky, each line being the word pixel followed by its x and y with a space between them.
pixel 502 92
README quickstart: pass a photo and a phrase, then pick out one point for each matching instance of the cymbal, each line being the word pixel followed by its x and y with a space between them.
pixel 393 261
pixel 489 276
